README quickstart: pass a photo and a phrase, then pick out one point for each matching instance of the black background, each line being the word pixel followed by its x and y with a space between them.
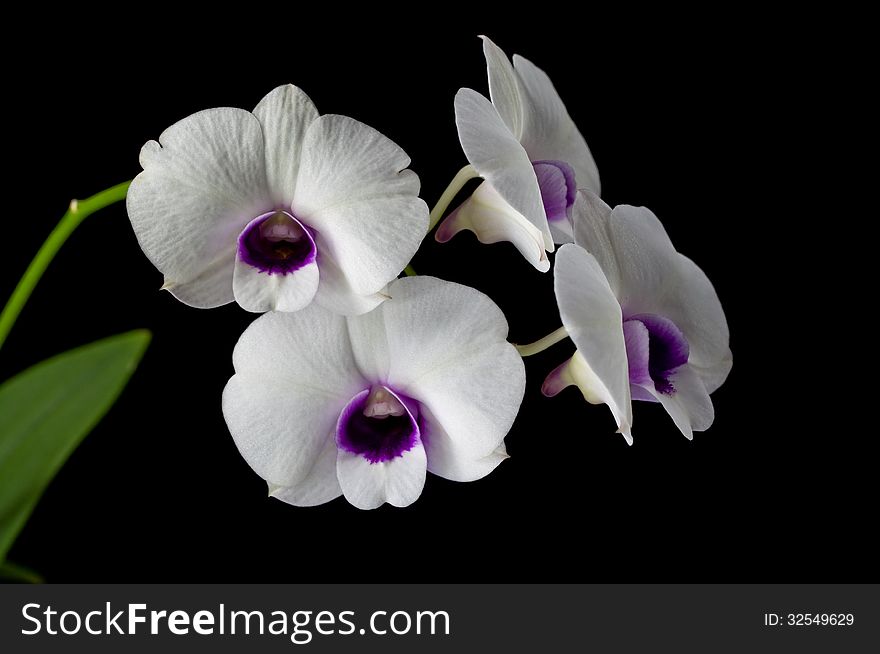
pixel 680 114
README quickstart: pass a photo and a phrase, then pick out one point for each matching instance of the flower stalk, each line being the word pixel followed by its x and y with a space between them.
pixel 542 344
pixel 78 211
pixel 461 178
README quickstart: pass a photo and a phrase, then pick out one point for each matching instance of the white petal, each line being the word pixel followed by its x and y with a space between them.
pixel 504 87
pixel 592 231
pixel 211 288
pixel 285 114
pixel 345 161
pixel 498 157
pixel 197 191
pixel 320 484
pixel 448 459
pixel 592 317
pixel 447 349
pixel 690 406
pixel 487 215
pixel 294 374
pixel 369 485
pixel 259 291
pixel 355 191
pixel 654 278
pixel 336 294
pixel 562 232
pixel 370 241
pixel 548 130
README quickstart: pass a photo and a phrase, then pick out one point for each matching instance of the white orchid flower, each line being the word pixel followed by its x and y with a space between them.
pixel 646 320
pixel 276 208
pixel 529 152
pixel 322 405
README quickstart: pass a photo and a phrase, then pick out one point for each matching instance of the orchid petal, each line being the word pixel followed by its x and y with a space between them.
pixel 504 87
pixel 548 130
pixel 493 220
pixel 447 349
pixel 284 114
pixel 355 191
pixel 592 317
pixel 690 405
pixel 398 482
pixel 499 158
pixel 259 291
pixel 202 182
pixel 449 458
pixel 654 278
pixel 293 375
pixel 320 484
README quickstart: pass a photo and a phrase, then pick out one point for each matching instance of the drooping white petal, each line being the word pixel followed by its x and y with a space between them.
pixel 259 291
pixel 690 405
pixel 449 458
pixel 355 191
pixel 285 114
pixel 320 484
pixel 294 374
pixel 202 182
pixel 504 87
pixel 398 482
pixel 654 278
pixel 492 220
pixel 592 317
pixel 499 158
pixel 548 131
pixel 447 349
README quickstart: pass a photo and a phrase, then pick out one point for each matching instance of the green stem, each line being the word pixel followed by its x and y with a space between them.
pixel 410 271
pixel 461 178
pixel 542 344
pixel 78 211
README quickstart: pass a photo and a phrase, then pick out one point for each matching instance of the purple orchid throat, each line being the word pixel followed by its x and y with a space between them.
pixel 558 188
pixel 655 348
pixel 276 243
pixel 378 424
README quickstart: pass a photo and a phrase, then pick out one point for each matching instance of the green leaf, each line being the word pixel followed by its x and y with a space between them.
pixel 10 572
pixel 47 410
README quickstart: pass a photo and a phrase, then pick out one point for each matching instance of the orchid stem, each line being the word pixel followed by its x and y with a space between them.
pixel 461 178
pixel 78 211
pixel 410 271
pixel 542 344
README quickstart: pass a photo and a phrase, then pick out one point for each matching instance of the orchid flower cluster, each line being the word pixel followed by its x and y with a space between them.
pixel 356 383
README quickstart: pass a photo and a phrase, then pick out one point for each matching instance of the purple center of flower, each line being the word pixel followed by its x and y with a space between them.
pixel 558 188
pixel 378 424
pixel 655 348
pixel 276 243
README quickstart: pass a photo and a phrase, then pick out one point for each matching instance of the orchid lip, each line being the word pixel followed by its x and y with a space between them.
pixel 556 180
pixel 276 243
pixel 378 424
pixel 655 349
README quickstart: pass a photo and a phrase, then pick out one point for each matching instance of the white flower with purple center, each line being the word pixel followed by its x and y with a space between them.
pixel 646 320
pixel 323 405
pixel 531 155
pixel 276 208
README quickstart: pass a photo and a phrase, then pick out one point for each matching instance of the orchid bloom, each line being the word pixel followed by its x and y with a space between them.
pixel 276 208
pixel 645 319
pixel 530 154
pixel 323 405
